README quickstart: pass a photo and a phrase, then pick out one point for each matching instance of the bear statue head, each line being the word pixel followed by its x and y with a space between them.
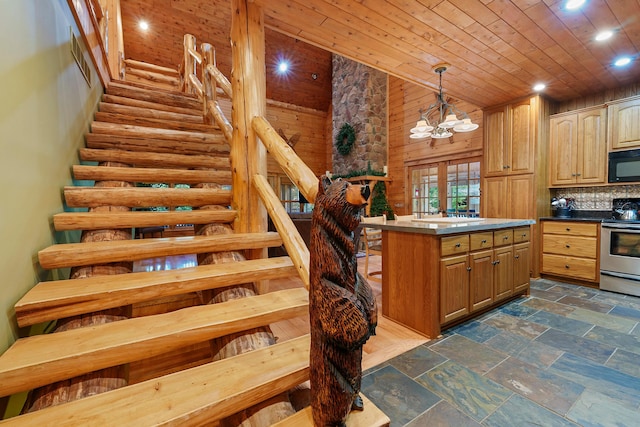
pixel 342 200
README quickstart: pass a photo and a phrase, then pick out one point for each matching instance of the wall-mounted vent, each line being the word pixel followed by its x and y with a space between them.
pixel 78 55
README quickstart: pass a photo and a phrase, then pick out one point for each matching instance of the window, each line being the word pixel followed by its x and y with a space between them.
pixel 290 196
pixel 452 186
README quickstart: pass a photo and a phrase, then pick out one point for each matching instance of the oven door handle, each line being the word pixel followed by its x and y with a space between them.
pixel 626 227
pixel 620 275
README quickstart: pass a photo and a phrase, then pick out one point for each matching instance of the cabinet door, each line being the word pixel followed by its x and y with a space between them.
pixel 592 147
pixel 521 139
pixel 624 124
pixel 521 267
pixel 481 279
pixel 454 288
pixel 495 150
pixel 563 150
pixel 502 272
pixel 494 197
pixel 520 197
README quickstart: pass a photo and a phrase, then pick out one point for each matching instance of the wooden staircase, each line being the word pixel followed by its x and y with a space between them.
pixel 147 135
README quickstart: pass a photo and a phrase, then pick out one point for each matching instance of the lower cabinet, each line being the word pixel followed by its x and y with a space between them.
pixel 570 250
pixel 480 269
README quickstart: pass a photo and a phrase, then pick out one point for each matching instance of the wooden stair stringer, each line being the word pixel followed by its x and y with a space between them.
pixel 64 298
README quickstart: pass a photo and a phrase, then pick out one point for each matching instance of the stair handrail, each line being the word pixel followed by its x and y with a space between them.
pixel 206 86
pixel 291 238
pixel 292 165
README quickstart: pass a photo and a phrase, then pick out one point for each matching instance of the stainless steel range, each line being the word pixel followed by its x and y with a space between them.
pixel 620 248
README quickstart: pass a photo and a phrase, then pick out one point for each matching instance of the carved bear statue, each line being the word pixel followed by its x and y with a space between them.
pixel 342 306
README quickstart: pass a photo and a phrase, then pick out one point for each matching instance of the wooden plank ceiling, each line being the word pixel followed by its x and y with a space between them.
pixel 497 49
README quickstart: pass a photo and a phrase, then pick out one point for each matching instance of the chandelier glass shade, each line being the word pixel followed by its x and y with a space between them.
pixel 441 119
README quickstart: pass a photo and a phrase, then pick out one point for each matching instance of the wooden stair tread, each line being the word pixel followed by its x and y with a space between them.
pixel 107 107
pixel 151 175
pixel 122 100
pixel 144 197
pixel 79 254
pixel 64 298
pixel 135 219
pixel 118 129
pixel 144 144
pixel 213 160
pixel 162 123
pixel 44 359
pixel 371 416
pixel 177 99
pixel 195 396
pixel 133 85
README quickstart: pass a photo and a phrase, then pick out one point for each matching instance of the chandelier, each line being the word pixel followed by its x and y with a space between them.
pixel 440 119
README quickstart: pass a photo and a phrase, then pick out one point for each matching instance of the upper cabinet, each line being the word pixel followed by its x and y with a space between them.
pixel 624 123
pixel 509 140
pixel 577 147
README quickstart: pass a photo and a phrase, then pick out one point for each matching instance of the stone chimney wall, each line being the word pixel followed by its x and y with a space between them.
pixel 360 99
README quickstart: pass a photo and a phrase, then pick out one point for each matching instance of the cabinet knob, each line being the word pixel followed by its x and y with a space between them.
pixel 504 166
pixel 517 257
pixel 496 262
pixel 567 246
pixel 566 266
pixel 568 229
pixel 458 245
pixel 578 174
pixel 573 174
pixel 468 268
pixel 483 241
pixel 505 237
pixel 524 234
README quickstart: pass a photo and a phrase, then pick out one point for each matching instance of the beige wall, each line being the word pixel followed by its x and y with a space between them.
pixel 45 108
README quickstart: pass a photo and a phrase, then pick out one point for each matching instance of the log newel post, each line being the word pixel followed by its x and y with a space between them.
pixel 248 155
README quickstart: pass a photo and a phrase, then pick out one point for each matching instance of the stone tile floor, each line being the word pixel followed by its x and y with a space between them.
pixel 565 356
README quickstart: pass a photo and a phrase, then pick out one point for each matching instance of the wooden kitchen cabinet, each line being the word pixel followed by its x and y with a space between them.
pixel 624 123
pixel 509 140
pixel 454 288
pixel 570 250
pixel 577 148
pixel 508 197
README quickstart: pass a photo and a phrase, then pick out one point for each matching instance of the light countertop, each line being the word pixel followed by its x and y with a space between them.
pixel 444 226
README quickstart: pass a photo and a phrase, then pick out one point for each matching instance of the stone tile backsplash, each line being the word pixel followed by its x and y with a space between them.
pixel 596 198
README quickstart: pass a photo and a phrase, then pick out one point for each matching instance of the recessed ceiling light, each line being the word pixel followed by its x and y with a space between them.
pixel 574 4
pixel 144 25
pixel 283 67
pixel 539 86
pixel 622 61
pixel 604 35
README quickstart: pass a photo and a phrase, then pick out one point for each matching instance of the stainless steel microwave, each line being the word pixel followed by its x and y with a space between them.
pixel 624 166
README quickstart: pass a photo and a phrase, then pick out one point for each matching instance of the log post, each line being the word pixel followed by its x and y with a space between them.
pixel 248 86
pixel 189 62
pixel 209 85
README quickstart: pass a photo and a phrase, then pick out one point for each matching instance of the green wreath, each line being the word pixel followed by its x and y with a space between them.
pixel 345 139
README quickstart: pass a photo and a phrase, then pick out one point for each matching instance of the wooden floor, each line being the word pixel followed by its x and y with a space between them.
pixel 391 339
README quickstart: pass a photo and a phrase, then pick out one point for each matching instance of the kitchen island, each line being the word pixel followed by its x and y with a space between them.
pixel 437 272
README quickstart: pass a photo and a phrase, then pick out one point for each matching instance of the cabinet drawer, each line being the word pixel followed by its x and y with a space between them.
pixel 503 237
pixel 522 234
pixel 574 228
pixel 577 268
pixel 585 247
pixel 479 241
pixel 454 245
